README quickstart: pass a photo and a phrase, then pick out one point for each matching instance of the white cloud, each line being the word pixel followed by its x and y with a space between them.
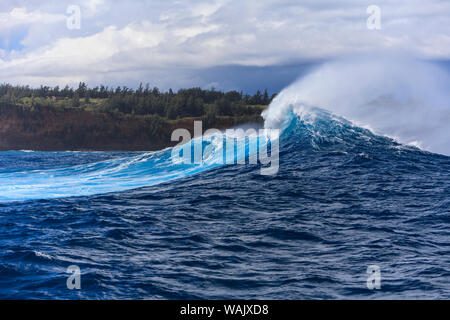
pixel 20 16
pixel 136 39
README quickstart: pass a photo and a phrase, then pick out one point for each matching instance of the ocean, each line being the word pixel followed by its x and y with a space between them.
pixel 138 226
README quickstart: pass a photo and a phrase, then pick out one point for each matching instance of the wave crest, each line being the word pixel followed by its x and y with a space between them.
pixel 402 98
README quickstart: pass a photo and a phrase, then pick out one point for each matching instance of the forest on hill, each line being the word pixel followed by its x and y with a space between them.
pixel 121 118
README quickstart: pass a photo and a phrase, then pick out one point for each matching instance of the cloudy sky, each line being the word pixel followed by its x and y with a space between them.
pixel 222 43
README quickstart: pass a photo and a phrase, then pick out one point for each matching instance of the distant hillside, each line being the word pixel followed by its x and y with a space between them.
pixel 121 119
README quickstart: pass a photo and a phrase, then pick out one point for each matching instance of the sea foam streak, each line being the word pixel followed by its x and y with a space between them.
pixel 402 98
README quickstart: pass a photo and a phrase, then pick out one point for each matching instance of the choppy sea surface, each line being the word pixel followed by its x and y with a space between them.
pixel 140 227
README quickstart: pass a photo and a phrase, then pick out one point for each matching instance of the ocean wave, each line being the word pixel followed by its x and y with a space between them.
pixel 346 103
pixel 399 97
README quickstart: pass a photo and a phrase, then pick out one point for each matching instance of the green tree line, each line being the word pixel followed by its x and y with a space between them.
pixel 144 100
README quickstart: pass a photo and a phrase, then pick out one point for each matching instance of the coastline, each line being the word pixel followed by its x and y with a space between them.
pixel 50 129
pixel 120 119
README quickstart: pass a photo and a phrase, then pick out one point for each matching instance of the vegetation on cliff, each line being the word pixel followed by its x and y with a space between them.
pixel 103 118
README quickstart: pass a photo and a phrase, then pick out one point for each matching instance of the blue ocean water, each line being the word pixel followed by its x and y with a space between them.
pixel 141 228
